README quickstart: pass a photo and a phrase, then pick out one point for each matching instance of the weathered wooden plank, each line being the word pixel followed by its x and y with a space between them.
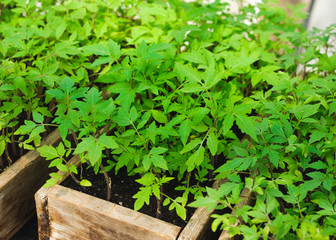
pixel 199 224
pixel 75 215
pixel 41 200
pixel 18 185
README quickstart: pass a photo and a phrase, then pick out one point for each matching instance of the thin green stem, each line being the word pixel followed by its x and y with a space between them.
pixel 141 138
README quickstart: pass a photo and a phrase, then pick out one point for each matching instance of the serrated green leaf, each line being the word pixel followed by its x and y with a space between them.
pixel 192 88
pixel 62 167
pixel 60 27
pixel 274 157
pixel 123 160
pixel 316 136
pixel 207 202
pixel 94 153
pixel 122 118
pixel 231 165
pixel 263 74
pixel 66 85
pixel 158 150
pixel 159 116
pixel 227 123
pixel 318 165
pixel 147 162
pixel 38 117
pixel 166 202
pixel 181 211
pixel 185 130
pixel 50 182
pixel 78 14
pixel 44 111
pixel 241 152
pixel 187 71
pixel 244 108
pixel 324 203
pixel 292 139
pixel 101 60
pixel 55 162
pixel 93 96
pixel 142 197
pixel 64 127
pixel 191 145
pixel 195 159
pixel 108 142
pixel 114 49
pixel 212 143
pixel 194 57
pixel 35 135
pixel 133 114
pixel 2 146
pixel 328 183
pixel 277 129
pixel 236 64
pixel 84 145
pixel 211 77
pixel 21 84
pixel 27 128
pixel 332 108
pixel 246 125
pixel 60 149
pixel 49 152
pixel 159 161
pixel 147 179
pixel 96 49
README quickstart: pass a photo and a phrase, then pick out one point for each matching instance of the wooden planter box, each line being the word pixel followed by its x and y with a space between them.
pixel 64 213
pixel 18 184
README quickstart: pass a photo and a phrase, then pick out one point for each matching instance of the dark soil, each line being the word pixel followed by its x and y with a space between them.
pixel 123 189
pixel 28 231
pixel 12 153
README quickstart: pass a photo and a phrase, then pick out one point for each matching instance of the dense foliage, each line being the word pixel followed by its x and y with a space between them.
pixel 168 90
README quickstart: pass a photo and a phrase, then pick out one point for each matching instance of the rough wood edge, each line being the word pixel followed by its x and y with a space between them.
pixel 42 213
pixel 200 222
pixel 14 219
pixel 41 201
pixel 94 208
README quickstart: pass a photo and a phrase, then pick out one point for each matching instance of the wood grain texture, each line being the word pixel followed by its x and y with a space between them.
pixel 199 224
pixel 75 215
pixel 18 185
pixel 41 201
pixel 63 214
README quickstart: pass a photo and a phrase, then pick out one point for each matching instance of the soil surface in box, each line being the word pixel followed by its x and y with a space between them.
pixel 124 187
pixel 28 232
